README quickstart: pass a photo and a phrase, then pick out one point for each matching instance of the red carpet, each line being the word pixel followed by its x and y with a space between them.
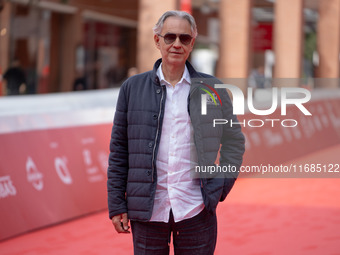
pixel 260 217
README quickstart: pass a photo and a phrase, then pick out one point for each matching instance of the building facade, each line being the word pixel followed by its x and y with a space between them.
pixel 65 45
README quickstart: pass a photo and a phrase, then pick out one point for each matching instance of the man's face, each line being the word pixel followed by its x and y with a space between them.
pixel 175 53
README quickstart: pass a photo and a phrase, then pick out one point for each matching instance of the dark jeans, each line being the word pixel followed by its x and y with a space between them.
pixel 191 236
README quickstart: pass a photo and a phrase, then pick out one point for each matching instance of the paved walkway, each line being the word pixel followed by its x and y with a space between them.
pixel 260 217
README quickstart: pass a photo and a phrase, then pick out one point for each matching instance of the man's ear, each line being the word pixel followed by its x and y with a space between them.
pixel 156 39
pixel 192 44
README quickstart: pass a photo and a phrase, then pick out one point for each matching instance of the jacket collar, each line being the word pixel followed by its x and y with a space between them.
pixel 192 72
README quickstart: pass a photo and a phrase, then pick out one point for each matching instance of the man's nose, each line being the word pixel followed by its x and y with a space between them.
pixel 177 42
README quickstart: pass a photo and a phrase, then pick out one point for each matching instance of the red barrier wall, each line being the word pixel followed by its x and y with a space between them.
pixel 278 144
pixel 48 176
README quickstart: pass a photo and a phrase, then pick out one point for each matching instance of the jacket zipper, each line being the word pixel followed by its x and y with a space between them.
pixel 154 147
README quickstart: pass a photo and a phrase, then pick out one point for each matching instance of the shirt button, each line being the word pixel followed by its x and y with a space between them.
pixel 148 172
pixel 158 91
pixel 155 116
pixel 150 144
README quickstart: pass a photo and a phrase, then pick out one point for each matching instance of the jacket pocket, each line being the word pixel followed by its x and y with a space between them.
pixel 228 185
pixel 212 190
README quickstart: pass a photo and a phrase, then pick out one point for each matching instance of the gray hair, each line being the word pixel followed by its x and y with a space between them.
pixel 184 15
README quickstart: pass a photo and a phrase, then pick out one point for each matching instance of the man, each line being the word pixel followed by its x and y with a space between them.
pixel 158 137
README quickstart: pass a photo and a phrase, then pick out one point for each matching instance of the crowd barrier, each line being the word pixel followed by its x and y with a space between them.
pixel 53 158
pixel 54 150
pixel 276 142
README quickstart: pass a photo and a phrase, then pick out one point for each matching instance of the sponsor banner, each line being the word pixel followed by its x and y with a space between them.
pixel 49 176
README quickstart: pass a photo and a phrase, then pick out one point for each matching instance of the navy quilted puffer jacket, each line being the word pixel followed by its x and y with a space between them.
pixel 136 131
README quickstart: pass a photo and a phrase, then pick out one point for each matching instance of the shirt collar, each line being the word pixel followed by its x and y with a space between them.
pixel 185 77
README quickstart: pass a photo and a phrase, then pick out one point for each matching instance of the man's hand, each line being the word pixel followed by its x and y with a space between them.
pixel 120 222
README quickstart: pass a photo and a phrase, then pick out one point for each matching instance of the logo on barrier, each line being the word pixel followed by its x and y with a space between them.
pixel 93 174
pixel 33 175
pixel 102 158
pixel 62 170
pixel 6 187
